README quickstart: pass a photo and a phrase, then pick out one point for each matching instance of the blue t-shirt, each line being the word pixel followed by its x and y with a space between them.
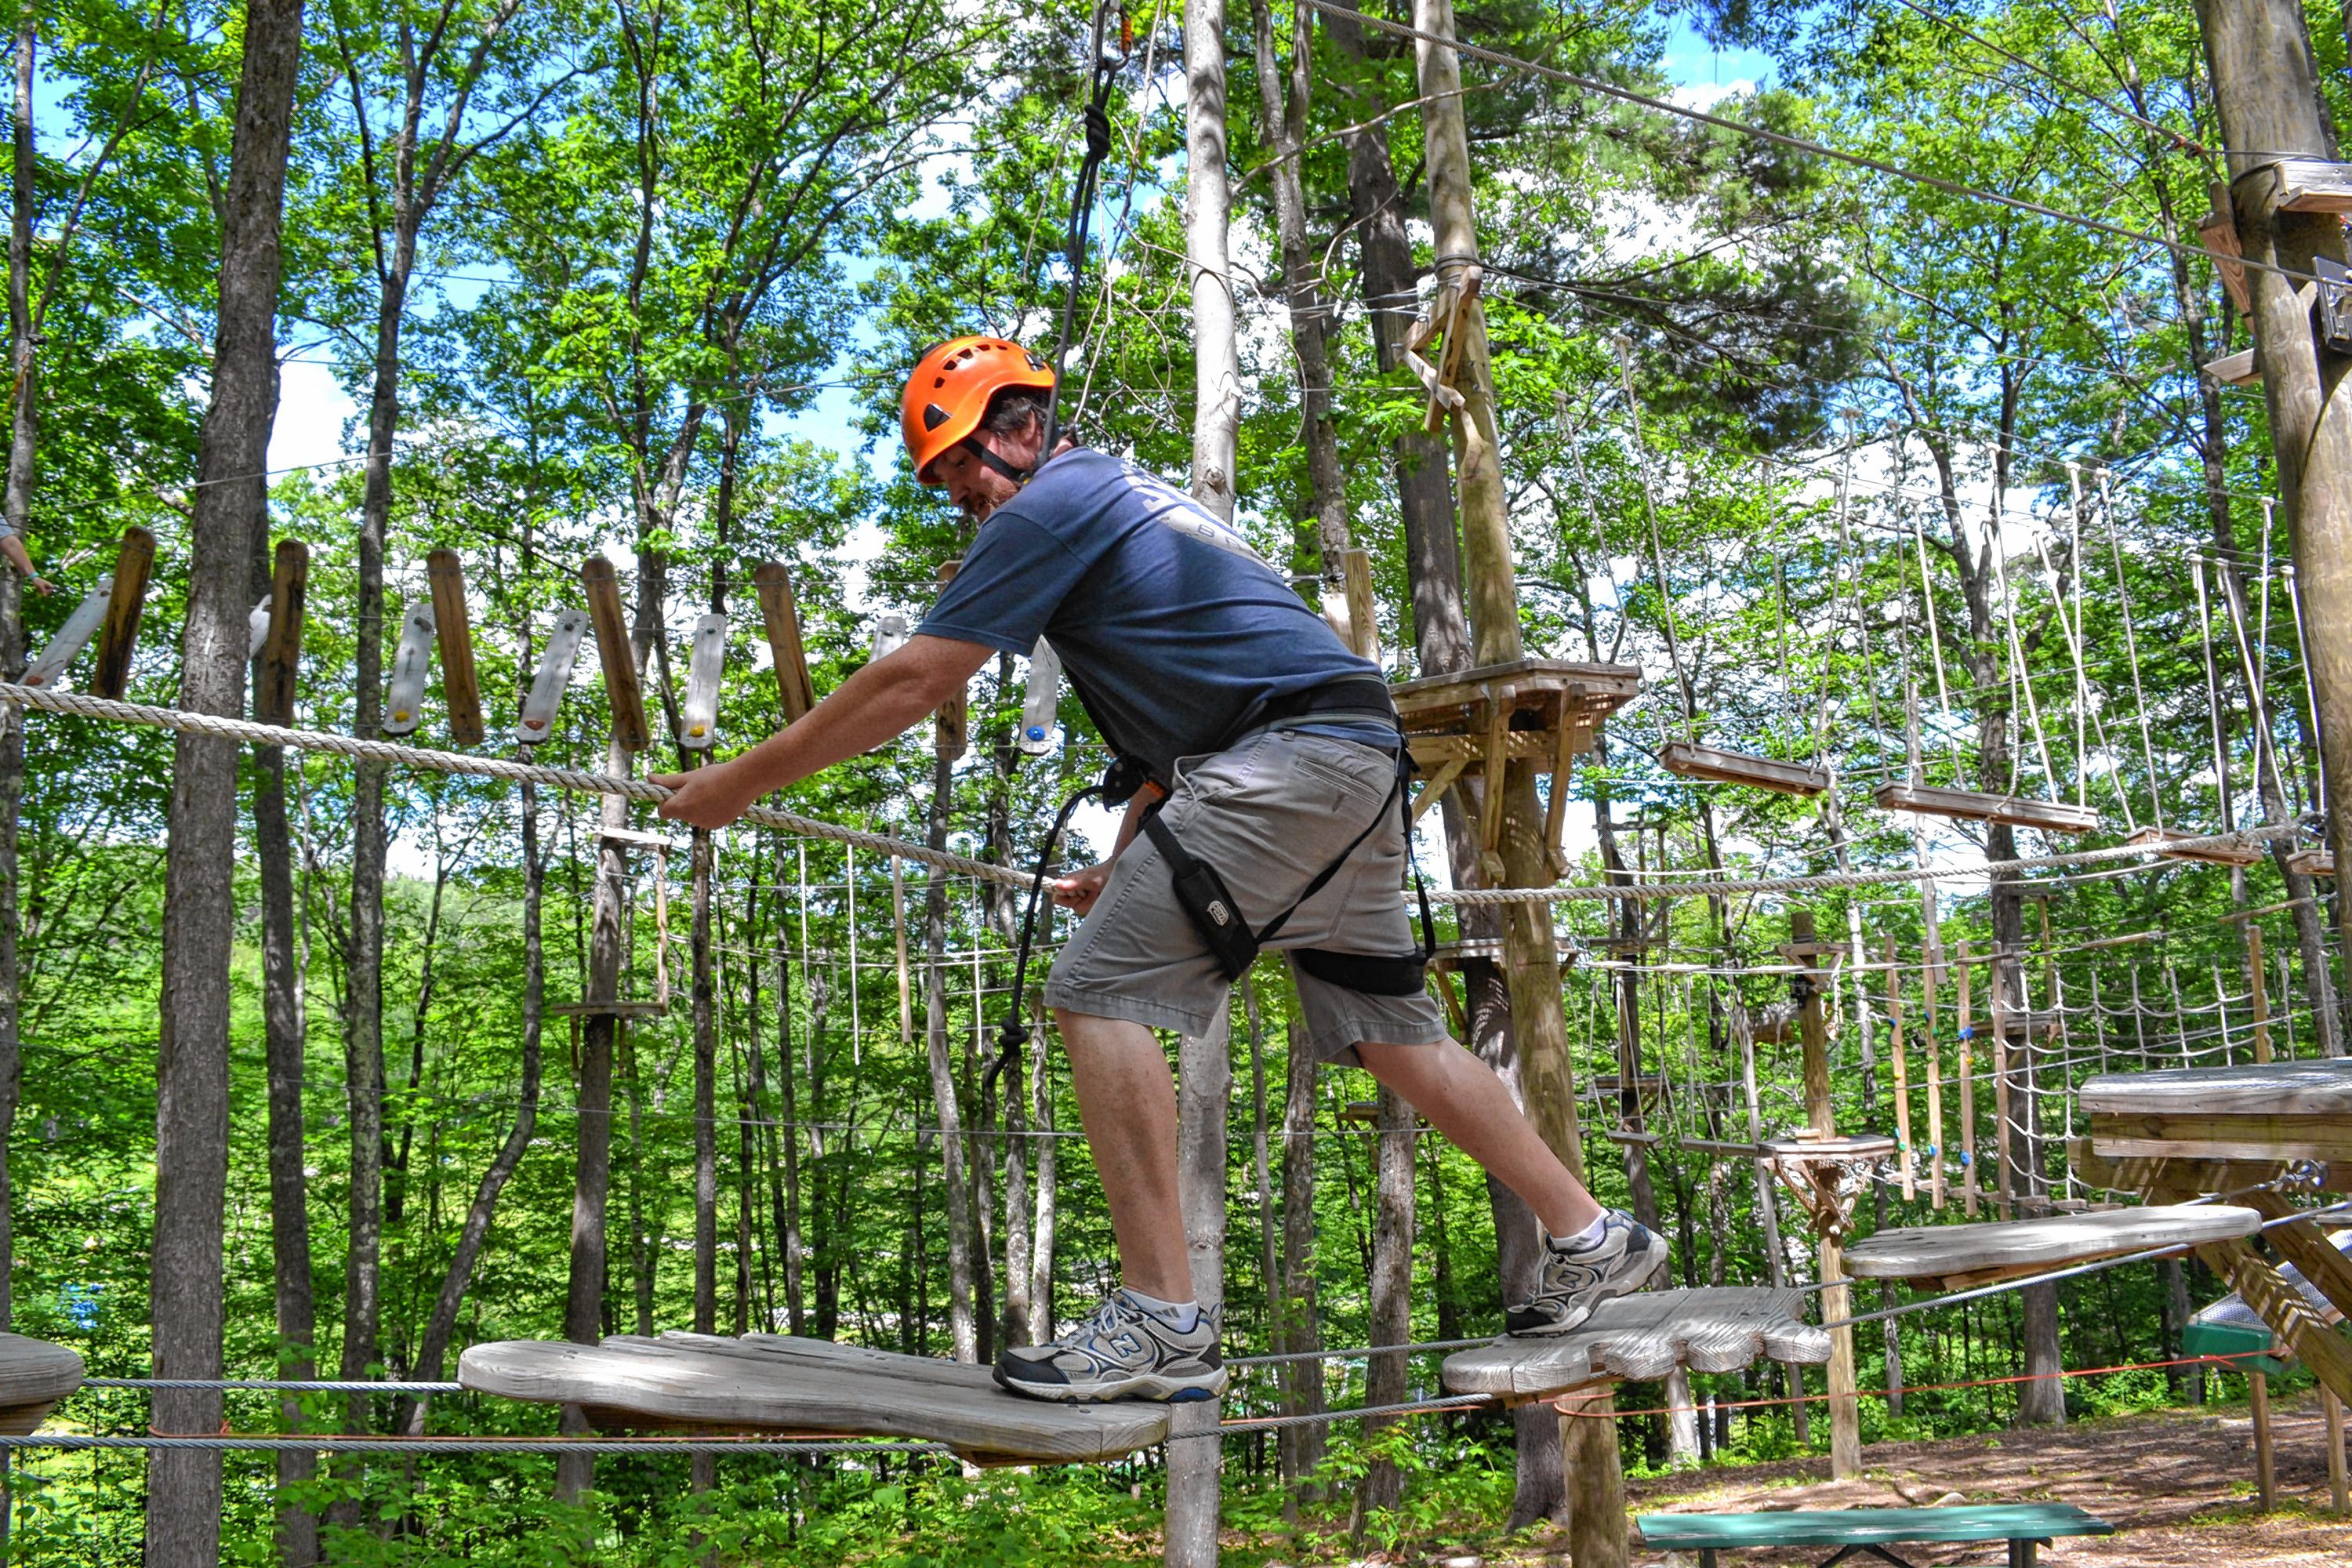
pixel 1171 627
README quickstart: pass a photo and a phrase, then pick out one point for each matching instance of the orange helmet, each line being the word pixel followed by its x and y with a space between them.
pixel 947 392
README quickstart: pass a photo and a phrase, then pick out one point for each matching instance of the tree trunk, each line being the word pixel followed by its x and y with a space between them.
pixel 1302 1381
pixel 1208 206
pixel 184 1487
pixel 285 1035
pixel 704 1469
pixel 1391 1291
pixel 442 1325
pixel 584 1300
pixel 1195 1457
pixel 964 1329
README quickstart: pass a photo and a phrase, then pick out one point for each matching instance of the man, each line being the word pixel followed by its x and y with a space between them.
pixel 1273 757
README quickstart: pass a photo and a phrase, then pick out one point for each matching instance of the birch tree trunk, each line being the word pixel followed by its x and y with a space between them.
pixel 1195 1457
pixel 184 1487
pixel 963 1328
pixel 1207 210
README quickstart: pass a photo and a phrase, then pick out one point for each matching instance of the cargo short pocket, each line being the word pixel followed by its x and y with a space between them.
pixel 1343 787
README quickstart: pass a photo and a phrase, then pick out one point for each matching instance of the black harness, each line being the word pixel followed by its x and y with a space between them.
pixel 1201 893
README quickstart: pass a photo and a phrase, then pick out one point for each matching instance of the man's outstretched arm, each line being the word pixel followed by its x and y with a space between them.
pixel 880 702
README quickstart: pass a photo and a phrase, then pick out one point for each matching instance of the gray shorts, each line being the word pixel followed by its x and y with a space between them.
pixel 1269 814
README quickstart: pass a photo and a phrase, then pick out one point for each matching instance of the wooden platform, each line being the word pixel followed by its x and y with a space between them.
pixel 769 1382
pixel 34 1376
pixel 2265 1112
pixel 1961 1256
pixel 1687 759
pixel 1476 722
pixel 1646 1336
pixel 2050 816
pixel 2162 839
pixel 2313 862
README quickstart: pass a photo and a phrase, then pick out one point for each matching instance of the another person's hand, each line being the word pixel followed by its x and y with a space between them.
pixel 41 585
pixel 1079 889
pixel 708 797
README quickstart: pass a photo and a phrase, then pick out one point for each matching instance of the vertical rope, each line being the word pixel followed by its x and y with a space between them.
pixel 2212 691
pixel 1936 646
pixel 2021 678
pixel 2303 652
pixel 2131 647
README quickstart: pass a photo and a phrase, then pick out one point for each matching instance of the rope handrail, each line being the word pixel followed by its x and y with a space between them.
pixel 222 727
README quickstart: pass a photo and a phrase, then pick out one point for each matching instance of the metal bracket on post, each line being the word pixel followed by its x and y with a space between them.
pixel 2335 315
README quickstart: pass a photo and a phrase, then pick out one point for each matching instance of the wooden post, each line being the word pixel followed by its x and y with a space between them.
pixel 782 620
pixel 613 651
pixel 445 574
pixel 1931 984
pixel 1902 1073
pixel 2258 1399
pixel 2338 1495
pixel 1595 1482
pixel 1820 1115
pixel 2000 1107
pixel 1363 621
pixel 116 639
pixel 2266 96
pixel 2259 991
pixel 281 650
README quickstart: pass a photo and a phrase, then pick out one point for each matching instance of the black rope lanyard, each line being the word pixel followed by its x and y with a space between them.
pixel 1012 1035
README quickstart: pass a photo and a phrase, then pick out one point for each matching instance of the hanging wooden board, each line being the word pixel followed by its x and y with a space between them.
pixel 698 718
pixel 2161 840
pixel 71 638
pixel 1689 760
pixel 256 627
pixel 412 662
pixel 119 635
pixel 2312 862
pixel 34 1376
pixel 2311 185
pixel 628 701
pixel 281 648
pixel 2234 370
pixel 1645 1336
pixel 1961 1256
pixel 780 617
pixel 553 678
pixel 445 574
pixel 769 1382
pixel 1042 702
pixel 2049 816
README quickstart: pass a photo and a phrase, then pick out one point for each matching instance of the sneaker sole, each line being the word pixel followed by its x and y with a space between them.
pixel 1661 1255
pixel 1149 1387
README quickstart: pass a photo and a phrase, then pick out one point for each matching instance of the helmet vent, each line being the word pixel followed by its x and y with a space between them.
pixel 933 415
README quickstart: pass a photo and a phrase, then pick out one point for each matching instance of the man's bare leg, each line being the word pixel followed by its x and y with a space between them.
pixel 1466 1101
pixel 1127 1099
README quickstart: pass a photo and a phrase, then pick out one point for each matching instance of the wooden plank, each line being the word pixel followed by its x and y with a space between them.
pixel 2050 816
pixel 2311 185
pixel 2140 1174
pixel 772 1383
pixel 554 676
pixel 71 638
pixel 2315 1088
pixel 1041 701
pixel 779 618
pixel 705 659
pixel 2223 1137
pixel 445 574
pixel 118 633
pixel 628 701
pixel 1442 702
pixel 412 663
pixel 2218 229
pixel 281 646
pixel 1646 1336
pixel 2160 839
pixel 2312 862
pixel 34 1376
pixel 1938 1252
pixel 2234 370
pixel 1440 782
pixel 1866 1526
pixel 1691 761
pixel 1363 620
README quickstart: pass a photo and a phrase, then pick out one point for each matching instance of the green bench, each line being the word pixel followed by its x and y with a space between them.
pixel 1866 1532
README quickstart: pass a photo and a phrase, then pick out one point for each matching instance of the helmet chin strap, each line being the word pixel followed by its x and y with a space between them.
pixel 990 460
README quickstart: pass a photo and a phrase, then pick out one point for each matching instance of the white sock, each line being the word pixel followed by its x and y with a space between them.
pixel 1589 1237
pixel 1181 1316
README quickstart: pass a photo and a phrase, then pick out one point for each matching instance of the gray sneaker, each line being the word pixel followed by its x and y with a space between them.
pixel 1626 1257
pixel 1121 1352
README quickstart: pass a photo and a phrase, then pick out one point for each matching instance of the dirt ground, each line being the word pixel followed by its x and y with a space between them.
pixel 2178 1489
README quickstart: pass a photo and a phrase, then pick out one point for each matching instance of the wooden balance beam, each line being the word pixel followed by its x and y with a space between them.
pixel 771 1383
pixel 1962 1256
pixel 1645 1336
